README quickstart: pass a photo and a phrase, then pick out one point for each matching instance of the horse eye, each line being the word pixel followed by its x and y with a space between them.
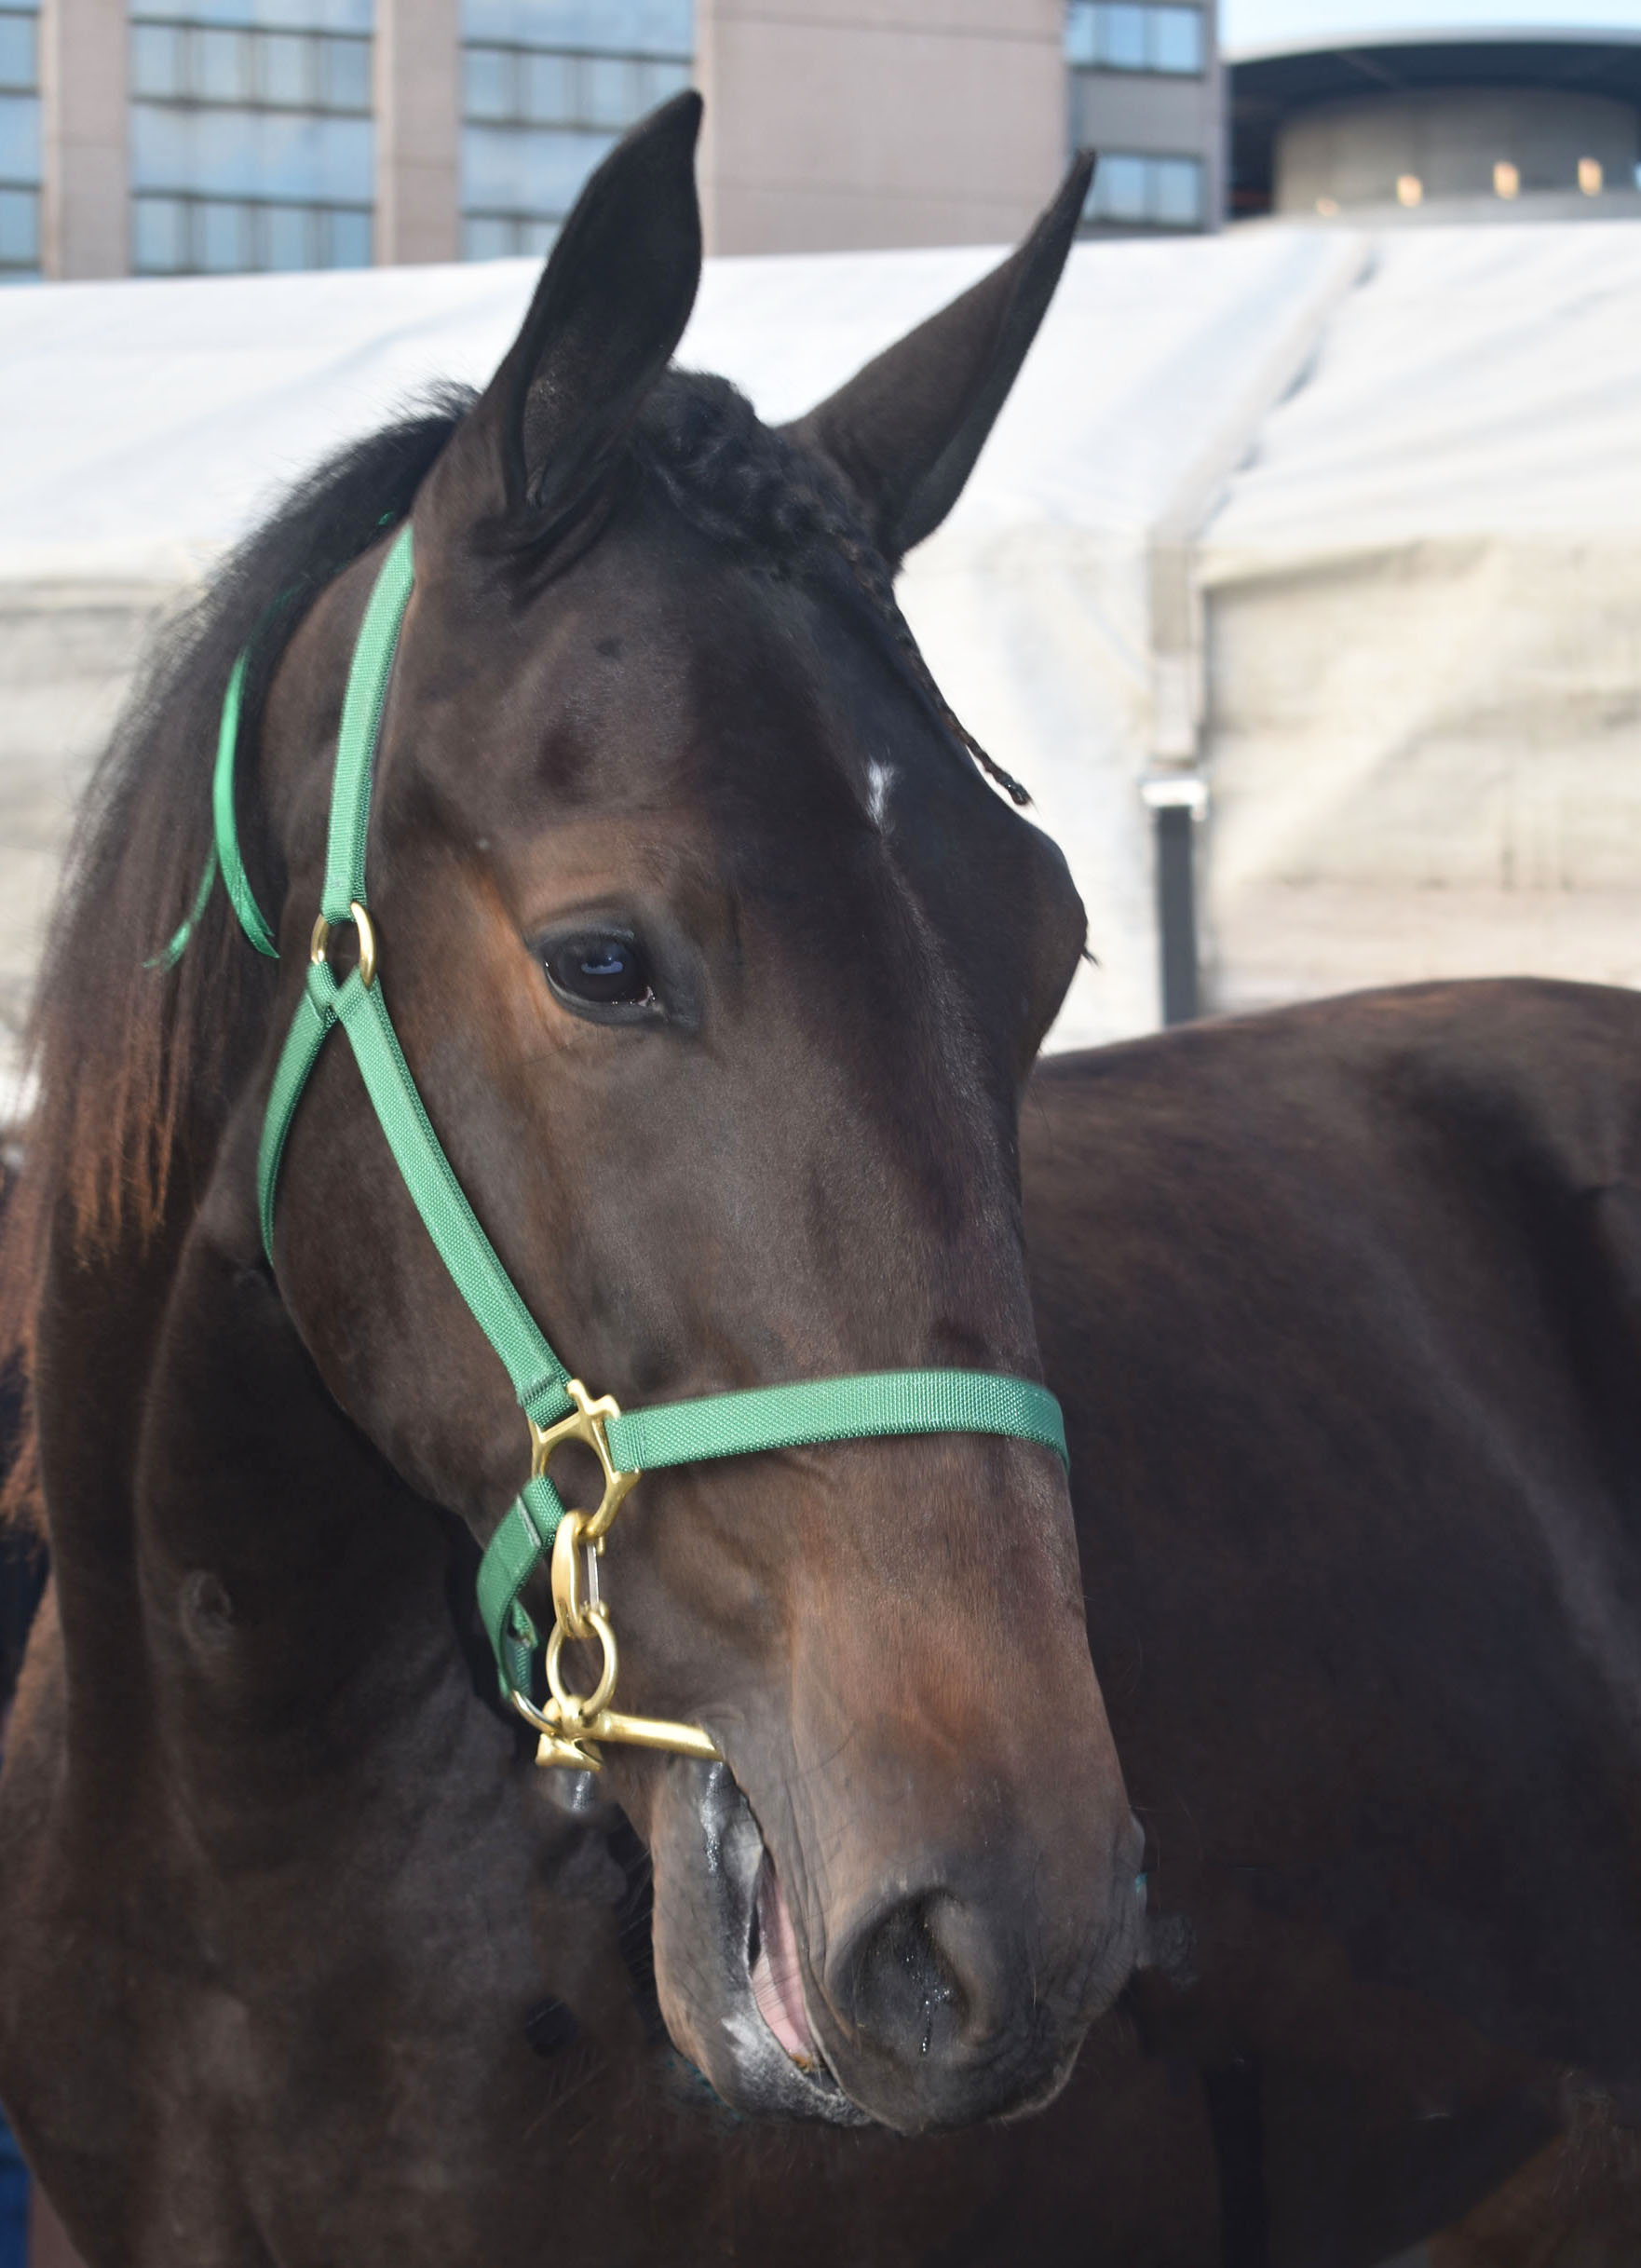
pixel 600 971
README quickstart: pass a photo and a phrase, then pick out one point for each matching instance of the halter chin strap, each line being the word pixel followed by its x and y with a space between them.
pixel 556 1405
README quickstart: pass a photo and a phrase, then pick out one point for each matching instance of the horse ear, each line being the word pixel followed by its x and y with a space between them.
pixel 611 307
pixel 905 431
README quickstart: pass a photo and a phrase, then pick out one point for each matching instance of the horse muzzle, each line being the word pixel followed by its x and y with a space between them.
pixel 936 2002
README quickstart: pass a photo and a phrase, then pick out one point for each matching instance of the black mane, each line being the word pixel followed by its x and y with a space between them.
pixel 738 481
pixel 136 1068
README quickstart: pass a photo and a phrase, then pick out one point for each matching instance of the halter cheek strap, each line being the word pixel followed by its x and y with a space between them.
pixel 556 1407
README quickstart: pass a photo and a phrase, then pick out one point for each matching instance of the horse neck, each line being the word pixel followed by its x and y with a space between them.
pixel 251 1782
pixel 236 1572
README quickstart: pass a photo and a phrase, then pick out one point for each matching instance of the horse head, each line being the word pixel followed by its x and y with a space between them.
pixel 719 967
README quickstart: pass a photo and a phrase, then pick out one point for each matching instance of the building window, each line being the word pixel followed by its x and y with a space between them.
pixel 1132 191
pixel 546 87
pixel 304 70
pixel 252 137
pixel 20 145
pixel 204 236
pixel 1126 35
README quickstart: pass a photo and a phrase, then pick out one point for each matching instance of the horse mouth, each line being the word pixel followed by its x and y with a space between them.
pixel 775 1977
pixel 742 2018
pixel 775 1971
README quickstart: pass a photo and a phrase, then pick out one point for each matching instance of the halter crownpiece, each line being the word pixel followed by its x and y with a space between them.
pixel 558 1407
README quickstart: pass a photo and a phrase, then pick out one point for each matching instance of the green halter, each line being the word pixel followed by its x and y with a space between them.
pixel 557 1406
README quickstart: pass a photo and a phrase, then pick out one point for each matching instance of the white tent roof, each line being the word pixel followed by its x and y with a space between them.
pixel 1404 469
pixel 144 426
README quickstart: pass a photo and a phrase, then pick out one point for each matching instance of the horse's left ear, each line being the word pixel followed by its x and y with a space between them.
pixel 906 430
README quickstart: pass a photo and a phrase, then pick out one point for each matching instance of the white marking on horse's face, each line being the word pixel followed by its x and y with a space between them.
pixel 879 779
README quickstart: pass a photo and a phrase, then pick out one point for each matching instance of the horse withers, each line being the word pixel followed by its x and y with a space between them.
pixel 719 968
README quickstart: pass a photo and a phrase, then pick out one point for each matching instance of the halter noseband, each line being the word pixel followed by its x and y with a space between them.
pixel 557 1406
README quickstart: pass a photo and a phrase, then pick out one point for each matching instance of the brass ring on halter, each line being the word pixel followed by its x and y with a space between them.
pixel 579 1709
pixel 320 944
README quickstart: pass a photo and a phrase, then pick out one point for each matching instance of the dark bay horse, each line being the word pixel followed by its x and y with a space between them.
pixel 720 966
pixel 722 970
pixel 1345 1304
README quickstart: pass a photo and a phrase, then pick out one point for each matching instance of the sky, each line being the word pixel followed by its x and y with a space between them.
pixel 1246 23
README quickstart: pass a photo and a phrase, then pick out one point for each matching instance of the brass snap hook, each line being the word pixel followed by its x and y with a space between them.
pixel 575 1576
pixel 569 1723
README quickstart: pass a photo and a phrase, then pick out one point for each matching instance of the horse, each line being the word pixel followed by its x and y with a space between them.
pixel 723 1017
pixel 722 969
pixel 1345 1306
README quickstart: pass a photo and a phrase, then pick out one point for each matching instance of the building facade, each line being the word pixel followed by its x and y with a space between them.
pixel 176 137
pixel 1146 91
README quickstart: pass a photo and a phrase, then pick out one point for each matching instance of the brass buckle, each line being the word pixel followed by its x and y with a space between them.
pixel 320 944
pixel 570 1723
pixel 585 1423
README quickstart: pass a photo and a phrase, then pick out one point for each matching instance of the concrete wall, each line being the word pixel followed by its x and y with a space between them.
pixel 418 78
pixel 85 209
pixel 846 125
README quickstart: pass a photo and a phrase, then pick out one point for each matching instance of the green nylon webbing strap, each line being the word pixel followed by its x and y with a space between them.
pixel 368 679
pixel 538 1377
pixel 241 894
pixel 224 856
pixel 170 954
pixel 513 1556
pixel 537 1374
pixel 872 1406
pixel 868 1406
pixel 310 1028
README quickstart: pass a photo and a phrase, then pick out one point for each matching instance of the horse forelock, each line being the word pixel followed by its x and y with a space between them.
pixel 751 488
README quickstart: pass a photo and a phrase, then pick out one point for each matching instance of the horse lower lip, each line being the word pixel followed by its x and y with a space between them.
pixel 777 1975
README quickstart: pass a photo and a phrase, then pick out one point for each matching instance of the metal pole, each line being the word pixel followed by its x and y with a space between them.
pixel 1178 799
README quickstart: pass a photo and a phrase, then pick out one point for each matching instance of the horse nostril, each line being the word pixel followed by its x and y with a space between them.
pixel 923 1978
pixel 961 1996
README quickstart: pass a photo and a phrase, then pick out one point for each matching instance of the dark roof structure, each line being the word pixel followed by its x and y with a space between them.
pixel 1269 85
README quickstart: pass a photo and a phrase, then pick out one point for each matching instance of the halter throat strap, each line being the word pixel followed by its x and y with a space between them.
pixel 874 1406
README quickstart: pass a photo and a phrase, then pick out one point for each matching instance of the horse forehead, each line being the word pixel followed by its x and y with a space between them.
pixel 742 698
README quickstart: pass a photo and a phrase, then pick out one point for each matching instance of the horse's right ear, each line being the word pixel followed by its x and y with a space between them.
pixel 610 308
